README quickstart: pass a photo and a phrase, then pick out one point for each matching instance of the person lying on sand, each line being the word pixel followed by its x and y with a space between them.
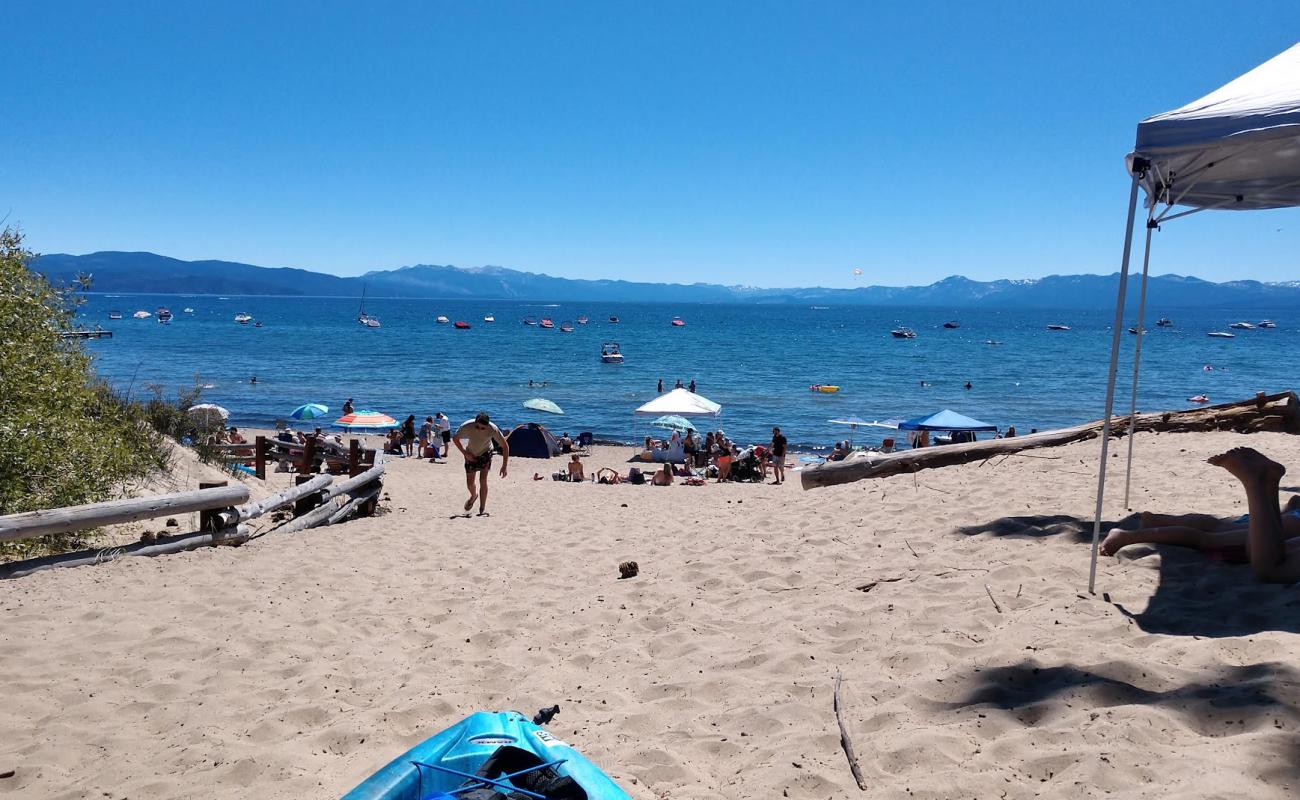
pixel 663 477
pixel 1268 537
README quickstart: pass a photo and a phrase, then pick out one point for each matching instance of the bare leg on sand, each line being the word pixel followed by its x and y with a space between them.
pixel 482 492
pixel 473 491
pixel 1274 558
pixel 1183 536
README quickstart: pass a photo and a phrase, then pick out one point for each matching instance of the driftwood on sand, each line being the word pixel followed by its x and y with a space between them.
pixel 1273 412
pixel 845 742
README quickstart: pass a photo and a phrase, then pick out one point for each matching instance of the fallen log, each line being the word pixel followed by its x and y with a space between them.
pixel 358 500
pixel 319 515
pixel 79 518
pixel 1275 412
pixel 170 544
pixel 352 484
pixel 292 494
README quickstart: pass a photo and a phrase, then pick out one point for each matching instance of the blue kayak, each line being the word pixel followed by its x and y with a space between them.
pixel 490 756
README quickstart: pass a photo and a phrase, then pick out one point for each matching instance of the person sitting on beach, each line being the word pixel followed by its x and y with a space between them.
pixel 566 444
pixel 1268 537
pixel 575 469
pixel 840 452
pixel 393 444
pixel 663 477
pixel 723 462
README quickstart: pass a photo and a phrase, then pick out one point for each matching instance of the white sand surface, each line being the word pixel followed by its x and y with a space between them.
pixel 295 665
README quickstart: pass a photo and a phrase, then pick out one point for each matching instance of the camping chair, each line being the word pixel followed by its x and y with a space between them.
pixel 584 442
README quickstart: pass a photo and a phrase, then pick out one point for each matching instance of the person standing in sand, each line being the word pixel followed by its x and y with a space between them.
pixel 444 430
pixel 1268 537
pixel 778 456
pixel 347 406
pixel 479 434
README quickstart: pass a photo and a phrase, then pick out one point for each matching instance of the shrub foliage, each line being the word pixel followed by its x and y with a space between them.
pixel 65 437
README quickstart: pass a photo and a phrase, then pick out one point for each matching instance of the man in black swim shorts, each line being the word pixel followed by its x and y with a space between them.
pixel 479 434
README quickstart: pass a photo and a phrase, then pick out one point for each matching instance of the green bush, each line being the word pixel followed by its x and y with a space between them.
pixel 65 437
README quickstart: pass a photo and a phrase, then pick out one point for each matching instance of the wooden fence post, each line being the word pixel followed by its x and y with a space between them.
pixel 210 519
pixel 354 459
pixel 308 463
pixel 259 455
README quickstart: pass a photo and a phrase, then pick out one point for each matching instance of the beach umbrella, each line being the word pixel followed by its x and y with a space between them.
pixel 542 404
pixel 853 422
pixel 680 402
pixel 365 419
pixel 673 421
pixel 310 411
pixel 208 415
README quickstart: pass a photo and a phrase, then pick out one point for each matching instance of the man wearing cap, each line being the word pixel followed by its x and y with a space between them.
pixel 479 434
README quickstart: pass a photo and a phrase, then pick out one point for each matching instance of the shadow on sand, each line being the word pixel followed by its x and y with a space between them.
pixel 1195 596
pixel 1228 701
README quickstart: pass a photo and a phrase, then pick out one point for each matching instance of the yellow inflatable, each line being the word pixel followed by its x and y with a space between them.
pixel 817 387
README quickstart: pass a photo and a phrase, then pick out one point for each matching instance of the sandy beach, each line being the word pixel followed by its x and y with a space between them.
pixel 953 602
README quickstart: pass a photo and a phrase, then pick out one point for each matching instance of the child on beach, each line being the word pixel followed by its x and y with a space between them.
pixel 1268 538
pixel 426 434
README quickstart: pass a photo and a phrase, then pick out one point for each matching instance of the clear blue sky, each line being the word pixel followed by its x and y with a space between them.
pixel 771 144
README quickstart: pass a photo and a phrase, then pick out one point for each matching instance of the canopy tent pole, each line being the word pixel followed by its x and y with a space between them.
pixel 1114 368
pixel 1137 354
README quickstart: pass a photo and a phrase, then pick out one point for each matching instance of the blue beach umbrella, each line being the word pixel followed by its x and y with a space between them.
pixel 310 411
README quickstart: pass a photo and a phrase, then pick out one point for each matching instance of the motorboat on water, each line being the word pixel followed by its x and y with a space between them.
pixel 243 319
pixel 441 320
pixel 1135 330
pixel 678 322
pixel 142 315
pixel 1165 322
pixel 461 325
pixel 115 315
pixel 1222 335
pixel 950 325
pixel 584 319
pixel 546 322
pixel 613 320
pixel 489 318
pixel 1268 323
pixel 257 324
pixel 610 354
pixel 903 333
pixel 1242 326
pixel 369 322
pixel 1058 327
pixel 188 310
pixel 164 315
pixel 529 321
pixel 1198 398
pixel 566 327
pixel 823 388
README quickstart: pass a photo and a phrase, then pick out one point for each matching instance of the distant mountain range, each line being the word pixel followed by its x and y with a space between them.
pixel 119 272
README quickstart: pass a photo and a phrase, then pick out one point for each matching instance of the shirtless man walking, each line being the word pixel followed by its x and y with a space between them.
pixel 479 434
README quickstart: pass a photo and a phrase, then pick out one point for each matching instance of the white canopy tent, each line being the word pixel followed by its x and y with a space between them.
pixel 681 402
pixel 1237 148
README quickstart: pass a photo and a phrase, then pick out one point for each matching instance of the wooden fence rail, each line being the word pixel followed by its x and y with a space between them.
pixel 79 518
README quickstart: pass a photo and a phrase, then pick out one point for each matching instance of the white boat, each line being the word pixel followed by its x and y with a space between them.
pixel 370 322
pixel 1221 335
pixel 142 315
pixel 442 320
pixel 164 316
pixel 610 354
pixel 1165 322
pixel 566 327
pixel 489 318
pixel 188 310
pixel 584 319
pixel 115 315
pixel 903 333
pixel 1242 326
pixel 1268 323
pixel 1058 327
pixel 243 319
pixel 678 322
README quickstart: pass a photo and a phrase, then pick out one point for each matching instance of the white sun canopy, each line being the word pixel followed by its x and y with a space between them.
pixel 681 402
pixel 1237 148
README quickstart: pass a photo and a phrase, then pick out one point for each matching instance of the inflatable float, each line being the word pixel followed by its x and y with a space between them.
pixel 823 388
pixel 490 756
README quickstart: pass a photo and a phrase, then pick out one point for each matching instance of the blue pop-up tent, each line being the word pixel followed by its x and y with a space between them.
pixel 946 420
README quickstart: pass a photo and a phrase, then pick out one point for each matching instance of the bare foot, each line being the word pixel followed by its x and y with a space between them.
pixel 1246 463
pixel 1113 542
pixel 470 502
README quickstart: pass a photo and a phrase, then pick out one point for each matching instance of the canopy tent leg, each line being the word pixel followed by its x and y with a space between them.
pixel 1110 382
pixel 1137 356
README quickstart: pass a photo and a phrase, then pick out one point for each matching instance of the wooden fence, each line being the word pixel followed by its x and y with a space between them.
pixel 224 513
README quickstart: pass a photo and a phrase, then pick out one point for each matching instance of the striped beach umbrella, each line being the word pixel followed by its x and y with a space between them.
pixel 362 420
pixel 310 411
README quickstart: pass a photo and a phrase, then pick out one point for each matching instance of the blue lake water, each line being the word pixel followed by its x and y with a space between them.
pixel 757 361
